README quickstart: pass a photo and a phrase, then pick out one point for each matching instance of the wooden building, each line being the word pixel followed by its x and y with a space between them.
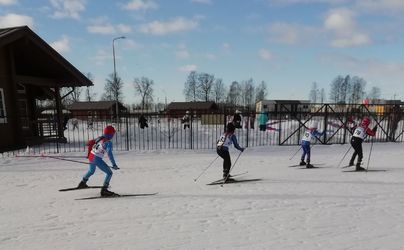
pixel 178 109
pixel 30 70
pixel 95 110
pixel 282 106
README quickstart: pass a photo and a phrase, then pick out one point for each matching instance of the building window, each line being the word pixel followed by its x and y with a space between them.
pixel 3 114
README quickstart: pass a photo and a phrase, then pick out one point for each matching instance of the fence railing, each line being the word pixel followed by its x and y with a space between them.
pixel 283 126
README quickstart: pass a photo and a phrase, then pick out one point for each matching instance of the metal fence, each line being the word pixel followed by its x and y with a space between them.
pixel 283 126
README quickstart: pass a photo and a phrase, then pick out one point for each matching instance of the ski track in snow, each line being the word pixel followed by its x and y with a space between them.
pixel 289 208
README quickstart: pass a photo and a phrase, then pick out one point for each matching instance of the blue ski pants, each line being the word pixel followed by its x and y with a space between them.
pixel 98 162
pixel 306 150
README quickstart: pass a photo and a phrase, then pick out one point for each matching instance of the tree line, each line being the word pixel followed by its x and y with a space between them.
pixel 200 86
pixel 206 87
pixel 347 90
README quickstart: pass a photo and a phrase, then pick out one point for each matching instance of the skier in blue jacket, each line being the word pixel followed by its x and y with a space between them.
pixel 309 134
pixel 98 148
pixel 223 145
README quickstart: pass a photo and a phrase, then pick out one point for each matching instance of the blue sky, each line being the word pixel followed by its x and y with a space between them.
pixel 287 43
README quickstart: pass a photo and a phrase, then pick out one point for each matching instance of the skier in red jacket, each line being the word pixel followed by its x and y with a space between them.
pixel 358 136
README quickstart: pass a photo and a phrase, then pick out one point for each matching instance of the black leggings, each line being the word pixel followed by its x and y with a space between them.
pixel 226 159
pixel 356 143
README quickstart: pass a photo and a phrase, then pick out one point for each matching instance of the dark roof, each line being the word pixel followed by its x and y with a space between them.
pixel 100 105
pixel 191 106
pixel 33 57
pixel 288 101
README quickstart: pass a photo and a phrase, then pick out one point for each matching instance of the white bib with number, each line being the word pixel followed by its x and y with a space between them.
pixel 224 141
pixel 360 132
pixel 99 149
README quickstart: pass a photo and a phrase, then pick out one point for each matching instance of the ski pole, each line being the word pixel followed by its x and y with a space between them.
pixel 62 159
pixel 206 169
pixel 234 164
pixel 344 156
pixel 293 156
pixel 53 157
pixel 370 153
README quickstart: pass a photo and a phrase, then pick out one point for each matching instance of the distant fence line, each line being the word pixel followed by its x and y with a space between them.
pixel 283 126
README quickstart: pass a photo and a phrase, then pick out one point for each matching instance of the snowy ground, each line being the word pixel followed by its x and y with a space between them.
pixel 290 208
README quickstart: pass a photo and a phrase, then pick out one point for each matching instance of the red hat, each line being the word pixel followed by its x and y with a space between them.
pixel 109 130
pixel 365 121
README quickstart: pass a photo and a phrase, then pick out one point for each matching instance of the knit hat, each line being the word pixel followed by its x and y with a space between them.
pixel 109 131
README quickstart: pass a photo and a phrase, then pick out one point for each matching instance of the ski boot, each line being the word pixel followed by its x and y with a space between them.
pixel 228 176
pixel 359 168
pixel 351 164
pixel 82 184
pixel 106 193
pixel 308 165
pixel 302 163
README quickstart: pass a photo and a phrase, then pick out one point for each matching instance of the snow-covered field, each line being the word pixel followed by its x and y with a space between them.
pixel 290 208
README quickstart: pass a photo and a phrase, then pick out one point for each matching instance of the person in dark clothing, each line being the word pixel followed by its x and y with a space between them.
pixel 143 122
pixel 237 119
pixel 185 120
pixel 357 138
pixel 223 144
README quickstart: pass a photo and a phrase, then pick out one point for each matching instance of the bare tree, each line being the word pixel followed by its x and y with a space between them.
pixel 335 90
pixel 357 91
pixel 191 87
pixel 219 91
pixel 374 94
pixel 205 85
pixel 70 95
pixel 345 89
pixel 314 93
pixel 234 95
pixel 322 95
pixel 247 92
pixel 113 89
pixel 261 91
pixel 144 88
pixel 90 95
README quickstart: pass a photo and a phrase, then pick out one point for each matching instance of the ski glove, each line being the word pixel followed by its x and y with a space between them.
pixel 115 167
pixel 242 149
pixel 375 128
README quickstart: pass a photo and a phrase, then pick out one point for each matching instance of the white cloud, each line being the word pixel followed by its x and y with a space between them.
pixel 291 34
pixel 342 25
pixel 265 54
pixel 202 1
pixel 68 9
pixel 11 20
pixel 102 56
pixel 179 24
pixel 104 27
pixel 188 68
pixel 140 5
pixel 62 45
pixel 8 2
pixel 389 6
pixel 123 28
pixel 130 44
pixel 389 74
pixel 308 1
pixel 182 54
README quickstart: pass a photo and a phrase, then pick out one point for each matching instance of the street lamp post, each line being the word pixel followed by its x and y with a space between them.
pixel 115 79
